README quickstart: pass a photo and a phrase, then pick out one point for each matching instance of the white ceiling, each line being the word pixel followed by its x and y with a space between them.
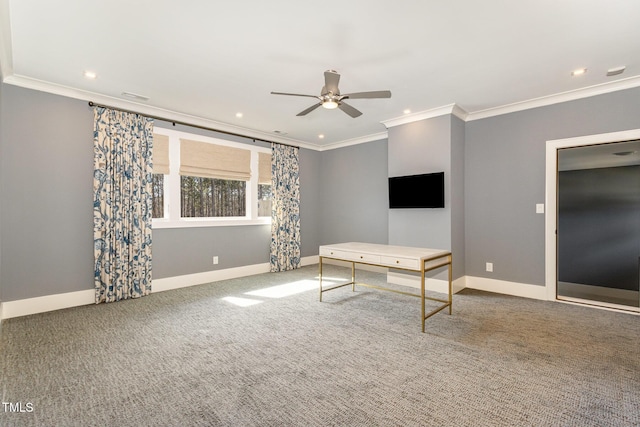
pixel 204 61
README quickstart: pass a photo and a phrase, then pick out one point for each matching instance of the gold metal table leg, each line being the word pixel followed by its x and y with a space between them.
pixel 320 279
pixel 353 277
pixel 422 295
pixel 450 286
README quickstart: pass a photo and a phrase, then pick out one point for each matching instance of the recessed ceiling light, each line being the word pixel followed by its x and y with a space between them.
pixel 615 71
pixel 624 153
pixel 407 111
pixel 321 136
pixel 279 132
pixel 91 75
pixel 579 72
pixel 239 115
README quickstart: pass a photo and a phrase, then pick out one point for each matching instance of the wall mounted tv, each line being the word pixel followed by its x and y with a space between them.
pixel 417 191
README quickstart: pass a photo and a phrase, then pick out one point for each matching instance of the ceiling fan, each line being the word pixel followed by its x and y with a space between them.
pixel 331 98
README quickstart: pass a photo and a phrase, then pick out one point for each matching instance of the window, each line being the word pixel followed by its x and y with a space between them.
pixel 208 181
pixel 158 195
pixel 160 169
pixel 264 184
pixel 264 200
pixel 210 197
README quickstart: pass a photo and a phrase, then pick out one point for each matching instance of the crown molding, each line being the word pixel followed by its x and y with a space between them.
pixel 453 109
pixel 168 115
pixel 557 98
pixel 353 141
pixel 459 112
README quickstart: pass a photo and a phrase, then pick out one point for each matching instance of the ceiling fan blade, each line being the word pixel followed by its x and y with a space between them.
pixel 308 110
pixel 294 94
pixel 349 110
pixel 373 94
pixel 331 80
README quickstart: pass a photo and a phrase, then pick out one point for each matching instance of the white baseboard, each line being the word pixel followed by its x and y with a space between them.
pixel 430 284
pixel 177 282
pixel 471 282
pixel 309 260
pixel 25 307
pixel 508 288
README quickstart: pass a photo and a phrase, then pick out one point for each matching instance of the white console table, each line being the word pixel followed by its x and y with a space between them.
pixel 396 257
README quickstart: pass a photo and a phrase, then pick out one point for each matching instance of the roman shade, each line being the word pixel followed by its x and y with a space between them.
pixel 264 168
pixel 160 154
pixel 206 160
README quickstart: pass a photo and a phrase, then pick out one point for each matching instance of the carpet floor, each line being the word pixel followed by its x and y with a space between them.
pixel 263 351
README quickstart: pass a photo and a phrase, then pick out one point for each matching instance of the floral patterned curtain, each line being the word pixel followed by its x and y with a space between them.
pixel 122 206
pixel 285 211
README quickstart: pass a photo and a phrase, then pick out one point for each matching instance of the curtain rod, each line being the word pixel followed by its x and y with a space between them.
pixel 93 104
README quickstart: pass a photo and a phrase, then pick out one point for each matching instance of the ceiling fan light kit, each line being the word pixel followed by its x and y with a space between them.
pixel 330 104
pixel 330 97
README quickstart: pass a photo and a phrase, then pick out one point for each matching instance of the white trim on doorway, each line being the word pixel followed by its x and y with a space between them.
pixel 551 183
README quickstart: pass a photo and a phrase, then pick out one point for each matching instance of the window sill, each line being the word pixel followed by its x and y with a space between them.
pixel 208 222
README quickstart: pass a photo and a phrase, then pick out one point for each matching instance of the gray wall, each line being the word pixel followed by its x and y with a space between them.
pixel 1 162
pixel 457 196
pixel 46 216
pixel 505 178
pixel 354 194
pixel 416 148
pixel 180 251
pixel 46 191
pixel 310 203
pixel 426 146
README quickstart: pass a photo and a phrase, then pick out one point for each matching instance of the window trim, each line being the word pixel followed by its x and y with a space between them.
pixel 172 217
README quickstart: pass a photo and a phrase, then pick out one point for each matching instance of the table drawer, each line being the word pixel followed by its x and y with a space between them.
pixel 330 253
pixel 399 262
pixel 367 258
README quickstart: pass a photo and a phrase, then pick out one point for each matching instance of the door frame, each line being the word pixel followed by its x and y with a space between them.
pixel 551 190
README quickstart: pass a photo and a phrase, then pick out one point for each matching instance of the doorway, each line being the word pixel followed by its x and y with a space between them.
pixel 593 220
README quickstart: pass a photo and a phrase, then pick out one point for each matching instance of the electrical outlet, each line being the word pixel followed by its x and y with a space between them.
pixel 490 267
pixel 215 260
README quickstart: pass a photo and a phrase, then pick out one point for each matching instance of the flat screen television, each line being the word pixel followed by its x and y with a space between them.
pixel 417 191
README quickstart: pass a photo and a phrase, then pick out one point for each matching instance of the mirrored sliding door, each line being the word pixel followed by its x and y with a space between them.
pixel 598 224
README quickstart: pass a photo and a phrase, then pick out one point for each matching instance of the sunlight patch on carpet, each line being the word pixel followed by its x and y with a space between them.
pixel 242 302
pixel 287 289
